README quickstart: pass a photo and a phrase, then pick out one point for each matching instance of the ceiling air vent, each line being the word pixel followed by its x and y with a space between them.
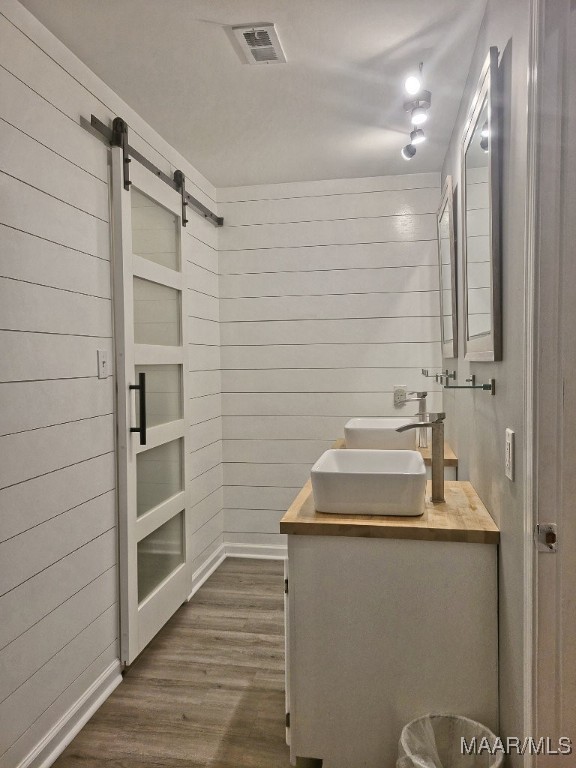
pixel 259 43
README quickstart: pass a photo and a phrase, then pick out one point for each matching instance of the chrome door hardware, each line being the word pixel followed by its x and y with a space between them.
pixel 546 537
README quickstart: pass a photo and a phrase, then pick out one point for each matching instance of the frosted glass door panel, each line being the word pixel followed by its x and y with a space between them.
pixel 155 232
pixel 159 554
pixel 156 313
pixel 163 393
pixel 158 475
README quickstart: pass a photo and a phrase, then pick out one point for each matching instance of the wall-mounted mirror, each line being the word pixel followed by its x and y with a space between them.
pixel 447 267
pixel 481 220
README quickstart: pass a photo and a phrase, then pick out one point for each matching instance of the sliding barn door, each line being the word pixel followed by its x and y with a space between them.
pixel 151 365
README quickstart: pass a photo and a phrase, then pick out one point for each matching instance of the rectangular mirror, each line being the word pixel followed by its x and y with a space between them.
pixel 447 267
pixel 481 220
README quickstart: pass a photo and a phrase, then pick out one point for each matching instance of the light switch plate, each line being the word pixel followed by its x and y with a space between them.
pixel 400 391
pixel 102 356
pixel 509 455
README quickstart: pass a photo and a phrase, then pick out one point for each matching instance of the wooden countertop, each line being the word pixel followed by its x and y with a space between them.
pixel 450 458
pixel 462 517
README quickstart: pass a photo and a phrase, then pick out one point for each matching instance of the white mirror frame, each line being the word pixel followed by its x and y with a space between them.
pixel 450 347
pixel 487 347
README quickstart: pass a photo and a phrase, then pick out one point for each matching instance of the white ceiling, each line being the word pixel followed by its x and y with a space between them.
pixel 333 111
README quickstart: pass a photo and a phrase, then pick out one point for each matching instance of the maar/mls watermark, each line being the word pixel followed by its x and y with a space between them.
pixel 514 745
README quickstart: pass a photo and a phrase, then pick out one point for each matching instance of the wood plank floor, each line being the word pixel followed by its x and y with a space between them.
pixel 208 690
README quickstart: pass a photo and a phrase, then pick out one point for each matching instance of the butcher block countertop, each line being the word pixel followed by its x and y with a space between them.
pixel 462 517
pixel 450 458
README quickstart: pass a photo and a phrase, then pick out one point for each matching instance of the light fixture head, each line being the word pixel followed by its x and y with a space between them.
pixel 412 85
pixel 485 132
pixel 413 82
pixel 418 107
pixel 419 116
pixel 408 152
pixel 484 143
pixel 417 136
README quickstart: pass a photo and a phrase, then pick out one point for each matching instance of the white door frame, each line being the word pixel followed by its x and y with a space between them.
pixel 531 380
pixel 549 370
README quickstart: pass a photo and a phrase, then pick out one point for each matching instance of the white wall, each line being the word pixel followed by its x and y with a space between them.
pixel 205 437
pixel 58 519
pixel 476 422
pixel 329 297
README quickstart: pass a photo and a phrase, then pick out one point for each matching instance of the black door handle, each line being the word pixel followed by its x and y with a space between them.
pixel 141 387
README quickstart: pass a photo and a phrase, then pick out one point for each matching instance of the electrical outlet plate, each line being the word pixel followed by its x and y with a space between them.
pixel 509 455
pixel 102 356
pixel 400 393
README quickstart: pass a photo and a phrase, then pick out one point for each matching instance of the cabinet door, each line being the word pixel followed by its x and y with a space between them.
pixel 287 648
pixel 386 631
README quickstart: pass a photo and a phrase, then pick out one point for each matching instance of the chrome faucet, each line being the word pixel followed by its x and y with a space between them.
pixel 420 398
pixel 436 424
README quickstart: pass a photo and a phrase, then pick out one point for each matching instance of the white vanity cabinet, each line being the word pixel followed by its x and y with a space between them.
pixel 384 626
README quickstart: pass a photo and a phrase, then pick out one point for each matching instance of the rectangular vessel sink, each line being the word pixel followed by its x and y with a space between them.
pixel 380 433
pixel 369 482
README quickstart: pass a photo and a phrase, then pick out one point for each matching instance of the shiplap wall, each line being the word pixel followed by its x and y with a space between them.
pixel 58 520
pixel 329 297
pixel 205 468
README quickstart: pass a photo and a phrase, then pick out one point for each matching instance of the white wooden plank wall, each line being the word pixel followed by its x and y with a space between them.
pixel 329 297
pixel 58 521
pixel 205 468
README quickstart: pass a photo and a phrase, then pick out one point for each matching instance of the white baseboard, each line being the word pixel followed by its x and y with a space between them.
pixel 259 551
pixel 207 569
pixel 62 733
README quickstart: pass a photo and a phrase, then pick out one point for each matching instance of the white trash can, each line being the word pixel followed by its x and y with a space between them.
pixel 444 741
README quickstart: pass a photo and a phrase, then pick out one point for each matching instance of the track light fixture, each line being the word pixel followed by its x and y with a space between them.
pixel 417 136
pixel 418 108
pixel 408 152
